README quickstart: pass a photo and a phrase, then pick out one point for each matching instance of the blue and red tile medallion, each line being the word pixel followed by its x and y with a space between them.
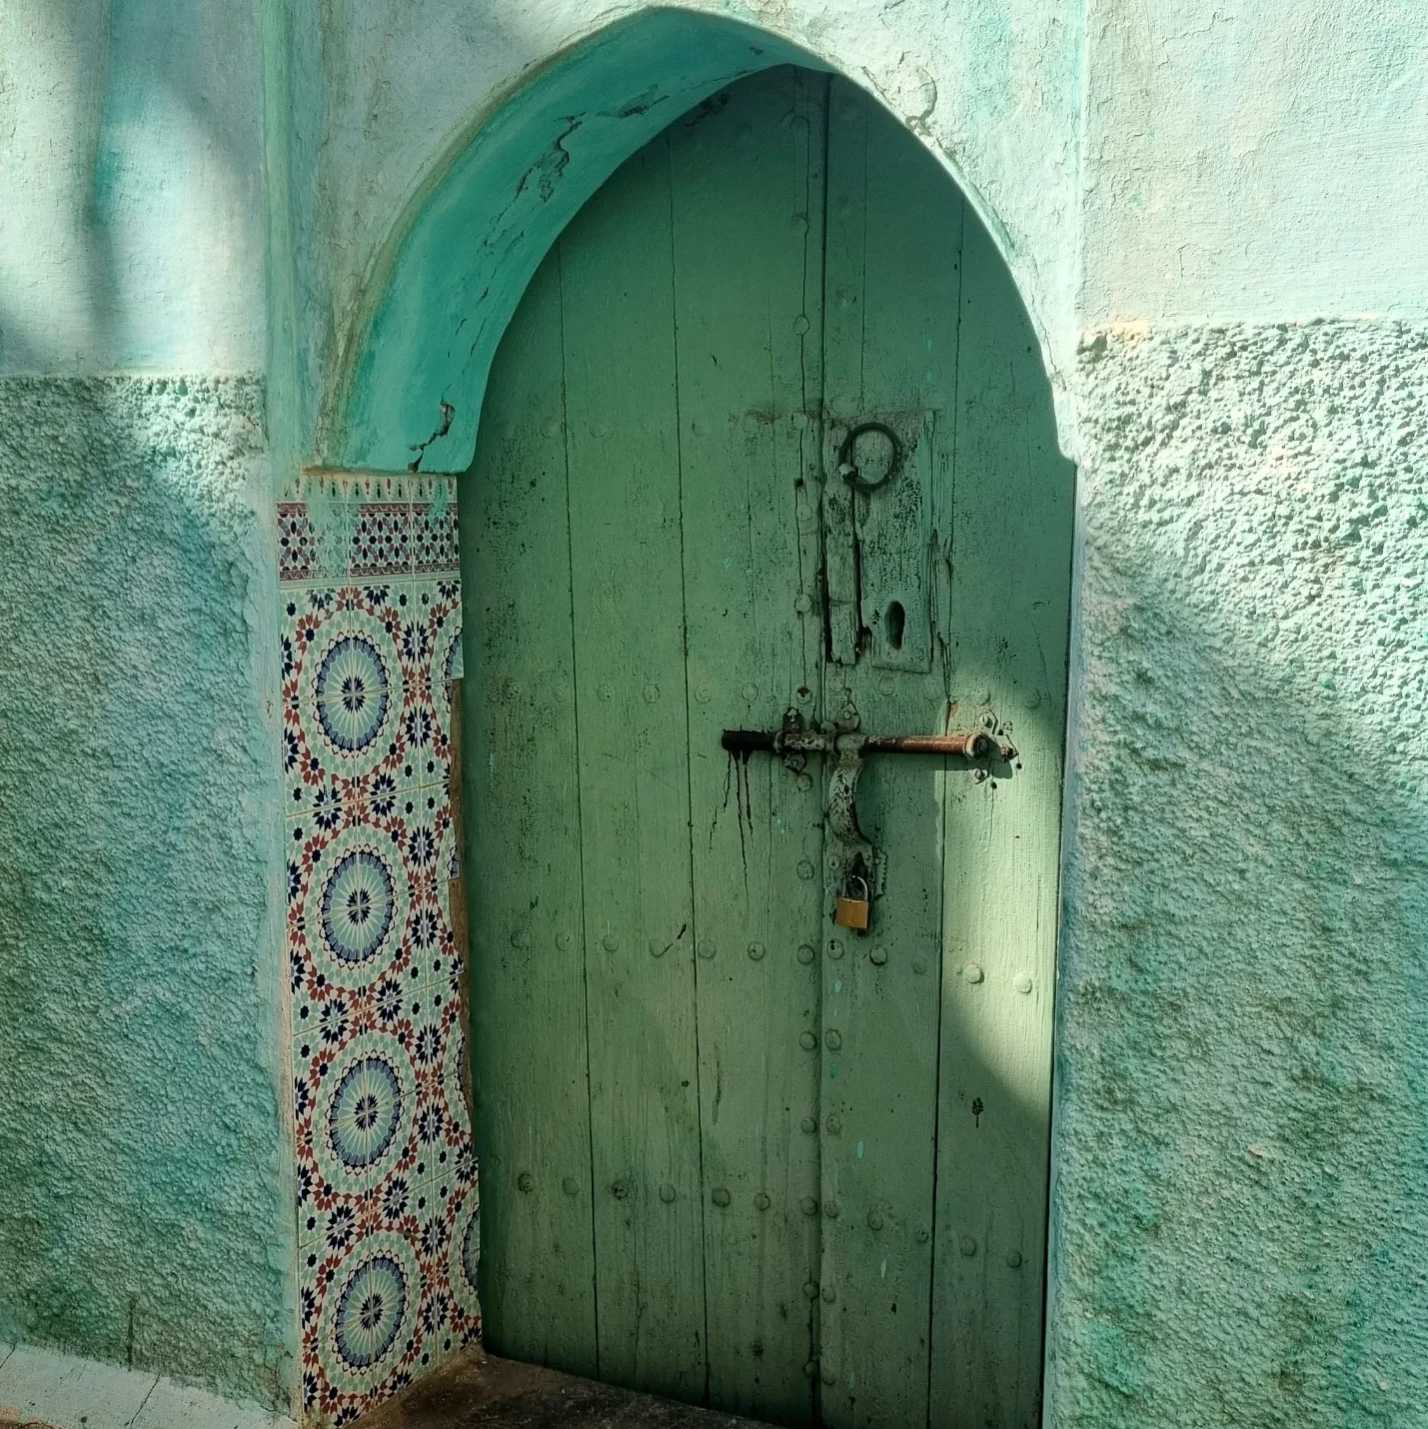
pixel 387 1200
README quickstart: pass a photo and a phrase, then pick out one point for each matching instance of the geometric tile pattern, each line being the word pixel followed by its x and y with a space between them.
pixel 387 1200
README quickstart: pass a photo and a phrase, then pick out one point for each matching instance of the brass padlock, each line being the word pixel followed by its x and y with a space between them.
pixel 851 912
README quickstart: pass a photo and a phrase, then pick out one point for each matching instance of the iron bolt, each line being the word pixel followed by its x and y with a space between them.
pixel 707 949
pixel 835 949
pixel 756 951
pixel 666 1193
pixel 808 1206
pixel 809 1125
pixel 805 954
pixel 570 1186
pixel 973 972
pixel 968 1245
pixel 875 1220
pixel 834 1125
pixel 762 1201
pixel 878 956
pixel 720 1196
pixel 833 1039
pixel 1023 983
pixel 829 1294
pixel 1014 1258
pixel 525 1183
pixel 807 1041
pixel 811 1290
pixel 830 1209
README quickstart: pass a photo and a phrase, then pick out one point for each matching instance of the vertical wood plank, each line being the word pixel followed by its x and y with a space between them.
pixel 522 859
pixel 747 205
pixel 894 227
pixel 621 428
pixel 1011 593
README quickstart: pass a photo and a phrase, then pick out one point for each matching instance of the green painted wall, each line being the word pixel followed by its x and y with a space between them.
pixel 1240 1190
pixel 147 1193
pixel 1238 1195
pixel 1241 1160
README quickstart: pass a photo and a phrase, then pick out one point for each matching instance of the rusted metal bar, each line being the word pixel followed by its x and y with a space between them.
pixel 969 744
pixel 963 744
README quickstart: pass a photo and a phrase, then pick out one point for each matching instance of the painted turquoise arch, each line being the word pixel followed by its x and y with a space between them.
pixel 408 382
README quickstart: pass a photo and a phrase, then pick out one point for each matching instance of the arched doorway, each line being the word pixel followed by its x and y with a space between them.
pixel 768 447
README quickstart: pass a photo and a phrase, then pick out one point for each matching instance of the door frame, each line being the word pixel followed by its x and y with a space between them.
pixel 375 410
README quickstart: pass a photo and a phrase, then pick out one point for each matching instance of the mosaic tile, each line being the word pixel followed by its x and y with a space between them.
pixel 442 604
pixel 368 1323
pixel 381 539
pixel 381 485
pixel 386 1171
pixel 434 539
pixel 296 542
pixel 344 692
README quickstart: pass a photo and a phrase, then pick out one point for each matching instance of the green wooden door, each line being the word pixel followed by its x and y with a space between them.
pixel 768 433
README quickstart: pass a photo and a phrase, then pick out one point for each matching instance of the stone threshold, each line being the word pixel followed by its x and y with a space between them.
pixel 475 1390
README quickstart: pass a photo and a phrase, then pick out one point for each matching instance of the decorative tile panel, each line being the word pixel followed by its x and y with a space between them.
pixel 388 1227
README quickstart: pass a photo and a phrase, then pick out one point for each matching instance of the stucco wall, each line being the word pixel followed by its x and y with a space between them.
pixel 147 1214
pixel 1241 1155
pixel 147 1195
pixel 1254 163
pixel 1240 1191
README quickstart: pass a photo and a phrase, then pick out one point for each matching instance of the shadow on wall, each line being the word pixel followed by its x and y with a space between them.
pixel 148 1218
pixel 1241 1151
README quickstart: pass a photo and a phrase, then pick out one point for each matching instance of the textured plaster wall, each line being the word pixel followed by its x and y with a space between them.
pixel 1241 1160
pixel 147 1192
pixel 1240 1174
pixel 131 196
pixel 1254 162
pixel 146 1211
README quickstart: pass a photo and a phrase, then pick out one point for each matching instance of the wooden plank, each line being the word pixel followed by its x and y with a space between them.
pixel 892 281
pixel 1012 558
pixel 621 422
pixel 747 212
pixel 527 1003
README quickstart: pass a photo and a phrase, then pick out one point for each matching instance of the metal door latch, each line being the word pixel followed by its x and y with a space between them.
pixel 794 741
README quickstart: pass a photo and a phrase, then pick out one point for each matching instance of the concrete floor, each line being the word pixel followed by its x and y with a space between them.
pixel 478 1391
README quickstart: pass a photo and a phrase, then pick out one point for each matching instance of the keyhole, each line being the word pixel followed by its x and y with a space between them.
pixel 894 623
